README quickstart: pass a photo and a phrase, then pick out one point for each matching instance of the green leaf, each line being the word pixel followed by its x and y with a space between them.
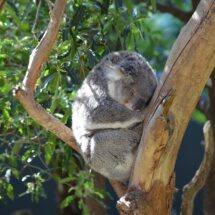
pixel 67 201
pixel 153 2
pixel 67 179
pixel 16 148
pixel 16 173
pixel 85 209
pixel 10 192
pixel 129 6
pixel 49 151
pixel 55 84
pixel 12 160
pixel 26 155
pixel 199 116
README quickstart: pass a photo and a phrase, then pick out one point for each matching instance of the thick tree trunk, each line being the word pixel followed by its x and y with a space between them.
pixel 191 61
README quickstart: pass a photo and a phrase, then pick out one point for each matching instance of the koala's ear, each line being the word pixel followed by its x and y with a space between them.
pixel 126 71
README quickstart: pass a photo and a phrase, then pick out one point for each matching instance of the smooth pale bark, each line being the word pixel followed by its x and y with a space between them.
pixel 191 61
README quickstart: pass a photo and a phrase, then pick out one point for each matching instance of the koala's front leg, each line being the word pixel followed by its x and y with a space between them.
pixel 113 115
pixel 111 152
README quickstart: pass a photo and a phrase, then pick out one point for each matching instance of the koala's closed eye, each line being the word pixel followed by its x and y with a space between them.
pixel 109 110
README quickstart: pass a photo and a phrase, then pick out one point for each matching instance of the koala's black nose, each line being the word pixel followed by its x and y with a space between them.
pixel 139 104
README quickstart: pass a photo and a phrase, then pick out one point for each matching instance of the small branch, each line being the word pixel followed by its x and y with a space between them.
pixel 2 3
pixel 209 188
pixel 183 16
pixel 191 189
pixel 36 18
pixel 119 188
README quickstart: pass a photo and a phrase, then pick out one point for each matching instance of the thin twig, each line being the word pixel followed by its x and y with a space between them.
pixel 49 3
pixel 182 15
pixel 191 189
pixel 2 3
pixel 119 188
pixel 35 20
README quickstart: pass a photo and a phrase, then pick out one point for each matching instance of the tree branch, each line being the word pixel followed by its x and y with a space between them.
pixel 119 188
pixel 2 3
pixel 182 15
pixel 25 92
pixel 191 189
pixel 209 189
pixel 191 61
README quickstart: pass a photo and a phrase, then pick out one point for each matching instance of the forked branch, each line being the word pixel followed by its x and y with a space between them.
pixel 25 92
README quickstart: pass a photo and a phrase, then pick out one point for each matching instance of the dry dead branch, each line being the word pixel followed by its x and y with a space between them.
pixel 192 188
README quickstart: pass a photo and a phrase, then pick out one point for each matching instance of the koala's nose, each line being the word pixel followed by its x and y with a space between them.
pixel 139 104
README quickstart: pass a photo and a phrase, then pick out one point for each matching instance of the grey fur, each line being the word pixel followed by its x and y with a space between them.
pixel 107 115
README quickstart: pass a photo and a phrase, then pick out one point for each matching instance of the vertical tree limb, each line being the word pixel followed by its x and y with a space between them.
pixel 192 188
pixel 2 3
pixel 209 190
pixel 191 61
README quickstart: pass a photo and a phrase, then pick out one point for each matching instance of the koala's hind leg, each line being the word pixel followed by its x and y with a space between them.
pixel 112 152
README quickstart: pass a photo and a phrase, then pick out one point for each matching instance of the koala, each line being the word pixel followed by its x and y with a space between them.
pixel 108 112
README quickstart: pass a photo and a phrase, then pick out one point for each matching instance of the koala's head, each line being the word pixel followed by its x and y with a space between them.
pixel 131 81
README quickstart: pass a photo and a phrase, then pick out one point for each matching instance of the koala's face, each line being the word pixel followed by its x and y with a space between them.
pixel 132 89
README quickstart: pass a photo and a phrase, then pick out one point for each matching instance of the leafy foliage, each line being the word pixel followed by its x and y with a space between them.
pixel 90 30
